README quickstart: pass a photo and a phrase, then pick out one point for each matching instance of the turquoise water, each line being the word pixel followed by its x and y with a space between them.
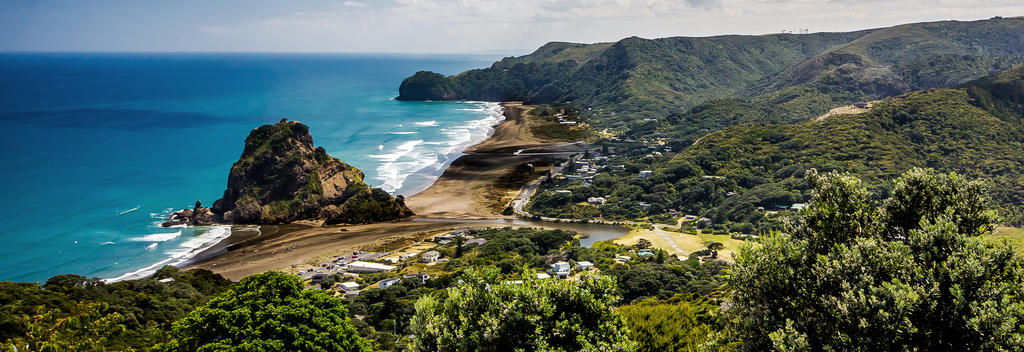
pixel 96 149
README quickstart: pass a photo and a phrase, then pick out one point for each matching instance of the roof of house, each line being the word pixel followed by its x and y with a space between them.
pixel 369 265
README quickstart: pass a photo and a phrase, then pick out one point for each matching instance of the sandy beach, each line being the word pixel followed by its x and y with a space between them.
pixel 472 188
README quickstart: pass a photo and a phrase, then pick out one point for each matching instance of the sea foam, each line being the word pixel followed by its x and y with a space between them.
pixel 428 158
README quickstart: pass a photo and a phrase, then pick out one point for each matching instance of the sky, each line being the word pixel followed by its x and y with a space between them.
pixel 437 26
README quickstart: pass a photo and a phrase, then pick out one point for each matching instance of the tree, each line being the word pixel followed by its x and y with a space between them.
pixel 267 312
pixel 910 274
pixel 537 315
pixel 677 324
pixel 84 328
pixel 643 243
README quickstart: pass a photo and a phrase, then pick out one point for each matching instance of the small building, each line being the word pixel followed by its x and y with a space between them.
pixel 362 267
pixel 623 258
pixel 646 173
pixel 389 282
pixel 563 191
pixel 595 200
pixel 730 194
pixel 476 241
pixel 585 266
pixel 430 256
pixel 318 278
pixel 423 277
pixel 644 253
pixel 798 206
pixel 349 286
pixel 645 205
pixel 573 177
pixel 408 256
pixel 861 105
pixel 560 267
pixel 543 276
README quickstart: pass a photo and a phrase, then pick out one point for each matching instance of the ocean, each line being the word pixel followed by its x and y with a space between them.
pixel 97 149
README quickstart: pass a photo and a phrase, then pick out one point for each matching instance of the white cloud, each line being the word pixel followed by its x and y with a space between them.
pixel 472 25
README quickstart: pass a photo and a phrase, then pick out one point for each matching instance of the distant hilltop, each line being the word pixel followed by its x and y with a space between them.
pixel 281 177
pixel 805 74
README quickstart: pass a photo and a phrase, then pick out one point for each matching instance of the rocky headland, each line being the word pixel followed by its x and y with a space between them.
pixel 281 177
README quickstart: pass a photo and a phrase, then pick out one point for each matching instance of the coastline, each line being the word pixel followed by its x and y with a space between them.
pixel 460 193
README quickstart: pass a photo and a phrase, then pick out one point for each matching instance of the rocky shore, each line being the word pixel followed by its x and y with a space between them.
pixel 281 177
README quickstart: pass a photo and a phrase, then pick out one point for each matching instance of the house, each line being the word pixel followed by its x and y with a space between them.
pixel 798 206
pixel 476 241
pixel 422 276
pixel 645 205
pixel 573 177
pixel 407 256
pixel 389 282
pixel 349 286
pixel 644 253
pixel 563 191
pixel 543 276
pixel 585 266
pixel 690 217
pixel 318 278
pixel 623 258
pixel 361 267
pixel 730 194
pixel 430 256
pixel 560 267
pixel 861 105
pixel 595 200
pixel 646 173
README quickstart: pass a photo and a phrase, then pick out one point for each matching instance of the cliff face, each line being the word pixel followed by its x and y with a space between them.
pixel 426 86
pixel 282 177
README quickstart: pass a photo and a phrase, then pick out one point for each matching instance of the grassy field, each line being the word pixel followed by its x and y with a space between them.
pixel 685 242
pixel 1013 234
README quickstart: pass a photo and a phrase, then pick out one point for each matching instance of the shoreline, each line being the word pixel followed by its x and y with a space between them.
pixel 458 198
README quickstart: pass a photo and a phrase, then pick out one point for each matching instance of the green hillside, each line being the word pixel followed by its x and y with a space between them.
pixel 768 78
pixel 976 130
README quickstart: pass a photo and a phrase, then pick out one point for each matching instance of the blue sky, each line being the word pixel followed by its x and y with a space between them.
pixel 435 26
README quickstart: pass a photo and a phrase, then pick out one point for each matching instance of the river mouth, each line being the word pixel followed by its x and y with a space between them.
pixel 589 233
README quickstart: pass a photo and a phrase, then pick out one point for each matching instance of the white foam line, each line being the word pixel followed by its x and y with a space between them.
pixel 157 237
pixel 185 251
pixel 129 210
pixel 432 157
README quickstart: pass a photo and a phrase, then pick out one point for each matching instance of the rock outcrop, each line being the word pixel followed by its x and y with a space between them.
pixel 281 177
pixel 425 85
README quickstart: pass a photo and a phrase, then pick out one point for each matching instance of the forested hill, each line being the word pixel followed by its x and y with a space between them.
pixel 976 129
pixel 799 75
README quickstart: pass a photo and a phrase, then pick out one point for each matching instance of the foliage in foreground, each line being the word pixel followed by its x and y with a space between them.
pixel 911 274
pixel 84 328
pixel 145 308
pixel 267 312
pixel 482 314
pixel 676 324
